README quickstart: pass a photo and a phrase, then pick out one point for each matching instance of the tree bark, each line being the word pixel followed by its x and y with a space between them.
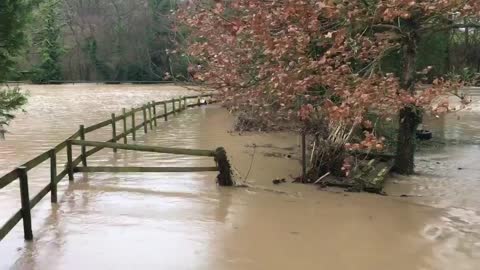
pixel 408 118
pixel 404 160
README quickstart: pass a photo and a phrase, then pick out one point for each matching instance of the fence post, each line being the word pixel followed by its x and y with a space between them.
pixel 173 104
pixel 114 131
pixel 184 103
pixel 224 178
pixel 134 128
pixel 150 115
pixel 53 176
pixel 198 102
pixel 145 128
pixel 165 111
pixel 154 113
pixel 69 161
pixel 124 112
pixel 84 148
pixel 25 199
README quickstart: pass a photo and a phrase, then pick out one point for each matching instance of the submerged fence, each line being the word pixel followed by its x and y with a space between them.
pixel 150 115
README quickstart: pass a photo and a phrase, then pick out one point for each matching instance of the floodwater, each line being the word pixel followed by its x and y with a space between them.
pixel 185 221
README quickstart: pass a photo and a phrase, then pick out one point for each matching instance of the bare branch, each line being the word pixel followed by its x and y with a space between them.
pixel 449 27
pixel 387 26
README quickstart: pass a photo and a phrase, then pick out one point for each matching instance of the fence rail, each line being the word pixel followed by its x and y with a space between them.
pixel 146 148
pixel 144 169
pixel 150 113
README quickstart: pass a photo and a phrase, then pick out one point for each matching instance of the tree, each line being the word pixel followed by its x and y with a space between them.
pixel 165 61
pixel 10 101
pixel 320 61
pixel 105 40
pixel 409 22
pixel 13 18
pixel 48 40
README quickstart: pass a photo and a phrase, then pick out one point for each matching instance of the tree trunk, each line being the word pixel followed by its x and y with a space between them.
pixel 467 44
pixel 408 120
pixel 404 161
pixel 448 61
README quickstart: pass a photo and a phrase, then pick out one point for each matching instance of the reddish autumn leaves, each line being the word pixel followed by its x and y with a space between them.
pixel 289 59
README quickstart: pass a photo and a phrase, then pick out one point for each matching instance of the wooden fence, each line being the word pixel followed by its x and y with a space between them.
pixel 151 115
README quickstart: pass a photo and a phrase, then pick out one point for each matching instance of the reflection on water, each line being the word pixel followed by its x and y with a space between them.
pixel 184 221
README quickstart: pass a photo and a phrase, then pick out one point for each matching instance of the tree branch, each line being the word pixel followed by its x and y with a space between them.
pixel 449 27
pixel 387 26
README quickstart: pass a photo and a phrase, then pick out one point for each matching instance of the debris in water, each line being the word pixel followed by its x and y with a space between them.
pixel 297 179
pixel 424 135
pixel 321 178
pixel 279 181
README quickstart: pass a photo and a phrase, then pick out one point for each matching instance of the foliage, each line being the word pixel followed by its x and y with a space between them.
pixel 91 50
pixel 14 15
pixel 260 54
pixel 464 51
pixel 167 61
pixel 48 40
pixel 103 40
pixel 10 101
pixel 263 55
pixel 139 40
pixel 432 52
pixel 465 75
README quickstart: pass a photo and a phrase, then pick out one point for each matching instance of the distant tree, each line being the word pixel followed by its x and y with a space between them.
pixel 14 16
pixel 166 60
pixel 48 41
pixel 106 40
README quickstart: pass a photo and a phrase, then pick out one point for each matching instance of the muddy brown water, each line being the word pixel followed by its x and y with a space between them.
pixel 185 221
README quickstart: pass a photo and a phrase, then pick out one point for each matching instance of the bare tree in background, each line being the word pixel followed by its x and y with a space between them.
pixel 117 40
